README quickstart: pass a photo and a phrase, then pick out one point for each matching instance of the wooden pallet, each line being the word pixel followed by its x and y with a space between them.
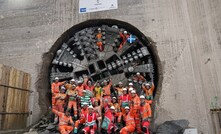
pixel 14 98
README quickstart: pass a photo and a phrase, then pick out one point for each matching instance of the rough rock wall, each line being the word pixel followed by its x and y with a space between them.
pixel 187 33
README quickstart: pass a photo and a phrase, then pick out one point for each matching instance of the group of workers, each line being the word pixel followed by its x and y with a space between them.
pixel 102 107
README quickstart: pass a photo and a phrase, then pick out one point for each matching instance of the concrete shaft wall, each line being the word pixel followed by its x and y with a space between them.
pixel 187 33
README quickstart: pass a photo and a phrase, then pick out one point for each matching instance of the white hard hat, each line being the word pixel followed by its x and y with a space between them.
pixel 120 83
pixel 131 84
pixel 147 84
pixel 80 81
pixel 124 89
pixel 84 91
pixel 125 32
pixel 133 92
pixel 73 80
pixel 105 81
pixel 62 87
pixel 85 103
pixel 112 107
pixel 99 29
pixel 131 89
pixel 138 73
pixel 142 97
pixel 126 107
pixel 56 78
pixel 90 107
pixel 114 98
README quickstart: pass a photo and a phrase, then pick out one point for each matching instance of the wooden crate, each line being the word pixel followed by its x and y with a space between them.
pixel 14 98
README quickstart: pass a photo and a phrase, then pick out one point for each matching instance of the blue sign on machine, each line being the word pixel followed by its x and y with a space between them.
pixel 82 10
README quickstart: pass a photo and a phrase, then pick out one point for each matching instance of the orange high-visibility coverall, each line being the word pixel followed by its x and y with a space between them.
pixel 64 128
pixel 139 78
pixel 119 91
pixel 135 110
pixel 55 90
pixel 116 106
pixel 124 39
pixel 124 101
pixel 72 100
pixel 68 86
pixel 80 89
pixel 90 120
pixel 82 118
pixel 107 92
pixel 60 101
pixel 99 41
pixel 148 92
pixel 145 112
pixel 130 124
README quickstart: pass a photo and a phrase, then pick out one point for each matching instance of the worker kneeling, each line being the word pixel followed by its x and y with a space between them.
pixel 130 123
pixel 90 121
pixel 64 121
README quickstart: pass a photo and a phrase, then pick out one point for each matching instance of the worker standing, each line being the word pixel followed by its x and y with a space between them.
pixel 98 92
pixel 60 100
pixel 90 121
pixel 64 121
pixel 145 112
pixel 89 87
pixel 72 103
pixel 130 123
pixel 80 88
pixel 85 99
pixel 99 40
pixel 119 89
pixel 55 86
pixel 139 78
pixel 148 89
pixel 107 90
pixel 69 85
pixel 124 100
pixel 97 110
pixel 135 109
pixel 124 36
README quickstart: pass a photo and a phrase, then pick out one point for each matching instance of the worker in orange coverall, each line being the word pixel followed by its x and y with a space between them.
pixel 135 109
pixel 80 88
pixel 124 100
pixel 55 86
pixel 148 89
pixel 90 121
pixel 119 89
pixel 84 111
pixel 130 123
pixel 72 103
pixel 97 109
pixel 124 36
pixel 60 100
pixel 99 40
pixel 107 90
pixel 145 113
pixel 139 78
pixel 64 120
pixel 69 85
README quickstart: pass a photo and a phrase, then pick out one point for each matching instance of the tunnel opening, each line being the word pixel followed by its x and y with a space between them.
pixel 72 56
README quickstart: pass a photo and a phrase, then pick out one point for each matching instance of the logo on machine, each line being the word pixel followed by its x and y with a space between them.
pixel 82 10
